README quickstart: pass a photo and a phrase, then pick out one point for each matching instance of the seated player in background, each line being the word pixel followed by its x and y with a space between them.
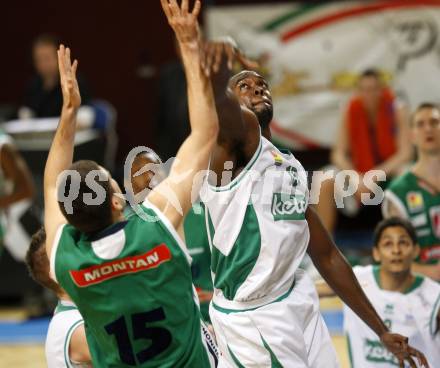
pixel 147 172
pixel 408 303
pixel 373 136
pixel 66 344
pixel 416 194
pixel 131 278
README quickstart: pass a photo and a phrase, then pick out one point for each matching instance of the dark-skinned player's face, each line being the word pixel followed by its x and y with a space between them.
pixel 395 250
pixel 252 91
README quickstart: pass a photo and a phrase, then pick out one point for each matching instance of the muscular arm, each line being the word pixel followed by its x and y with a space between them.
pixel 16 170
pixel 61 150
pixel 335 270
pixel 193 155
pixel 78 349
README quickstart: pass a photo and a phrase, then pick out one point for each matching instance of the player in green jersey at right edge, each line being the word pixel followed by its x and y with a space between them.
pixel 416 194
pixel 131 278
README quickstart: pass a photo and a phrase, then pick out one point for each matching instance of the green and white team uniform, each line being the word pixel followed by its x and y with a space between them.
pixel 132 285
pixel 412 313
pixel 65 321
pixel 265 311
pixel 196 239
pixel 419 202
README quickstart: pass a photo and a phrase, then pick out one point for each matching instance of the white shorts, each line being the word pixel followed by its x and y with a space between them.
pixel 286 333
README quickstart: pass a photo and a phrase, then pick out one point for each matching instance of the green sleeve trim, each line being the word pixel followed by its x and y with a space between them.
pixel 235 359
pixel 67 342
pixel 350 352
pixel 243 173
pixel 64 308
pixel 274 362
pixel 228 311
pixel 432 322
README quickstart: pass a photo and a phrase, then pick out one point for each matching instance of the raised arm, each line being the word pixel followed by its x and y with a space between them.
pixel 193 155
pixel 61 151
pixel 335 270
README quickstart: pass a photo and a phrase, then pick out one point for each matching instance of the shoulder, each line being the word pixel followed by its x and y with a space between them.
pixel 363 272
pixel 402 183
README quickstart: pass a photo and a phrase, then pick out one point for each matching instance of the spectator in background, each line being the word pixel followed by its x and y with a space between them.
pixel 373 136
pixel 416 194
pixel 43 97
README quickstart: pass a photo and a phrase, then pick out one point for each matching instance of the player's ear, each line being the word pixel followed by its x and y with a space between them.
pixel 376 254
pixel 117 203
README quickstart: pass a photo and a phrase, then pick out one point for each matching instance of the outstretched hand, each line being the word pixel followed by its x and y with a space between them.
pixel 398 345
pixel 69 84
pixel 216 51
pixel 182 21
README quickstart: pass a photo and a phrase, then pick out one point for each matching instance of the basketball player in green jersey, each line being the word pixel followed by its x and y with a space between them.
pixel 416 194
pixel 194 231
pixel 131 278
pixel 257 245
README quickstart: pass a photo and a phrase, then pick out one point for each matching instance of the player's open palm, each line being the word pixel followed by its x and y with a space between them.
pixel 182 21
pixel 398 345
pixel 69 84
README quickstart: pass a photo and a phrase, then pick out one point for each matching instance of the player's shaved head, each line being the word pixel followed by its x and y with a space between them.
pixel 242 75
pixel 38 263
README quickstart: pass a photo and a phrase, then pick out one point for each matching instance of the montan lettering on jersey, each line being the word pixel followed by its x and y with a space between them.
pixel 119 267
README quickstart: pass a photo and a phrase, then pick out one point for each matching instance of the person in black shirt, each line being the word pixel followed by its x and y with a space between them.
pixel 43 97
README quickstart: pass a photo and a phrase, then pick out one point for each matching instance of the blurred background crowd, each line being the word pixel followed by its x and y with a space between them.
pixel 346 79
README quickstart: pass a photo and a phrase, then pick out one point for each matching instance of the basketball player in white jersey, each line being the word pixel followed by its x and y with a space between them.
pixel 66 344
pixel 265 310
pixel 407 302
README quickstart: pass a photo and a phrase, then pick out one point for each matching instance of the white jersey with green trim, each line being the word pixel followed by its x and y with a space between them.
pixel 412 313
pixel 62 325
pixel 257 229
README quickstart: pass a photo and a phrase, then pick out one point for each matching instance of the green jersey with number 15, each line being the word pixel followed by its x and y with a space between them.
pixel 132 285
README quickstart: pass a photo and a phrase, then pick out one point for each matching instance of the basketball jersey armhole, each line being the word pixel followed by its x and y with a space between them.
pixel 395 200
pixel 53 254
pixel 167 224
pixel 68 361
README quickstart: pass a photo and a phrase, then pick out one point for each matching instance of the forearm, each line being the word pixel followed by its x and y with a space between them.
pixel 346 286
pixel 17 195
pixel 203 118
pixel 395 164
pixel 61 151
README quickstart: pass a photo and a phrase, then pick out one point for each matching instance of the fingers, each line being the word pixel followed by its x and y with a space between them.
pixel 230 53
pixel 166 8
pixel 184 7
pixel 247 63
pixel 218 55
pixel 420 356
pixel 197 7
pixel 174 8
pixel 74 67
pixel 411 362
